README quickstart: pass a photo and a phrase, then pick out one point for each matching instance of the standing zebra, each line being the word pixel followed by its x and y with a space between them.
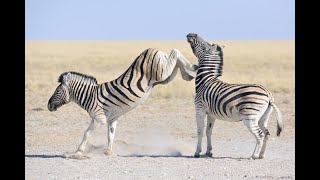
pixel 107 101
pixel 250 103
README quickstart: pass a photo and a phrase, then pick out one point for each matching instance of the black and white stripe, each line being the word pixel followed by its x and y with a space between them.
pixel 250 103
pixel 107 101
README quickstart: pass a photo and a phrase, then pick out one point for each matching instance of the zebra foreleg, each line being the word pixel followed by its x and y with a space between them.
pixel 210 124
pixel 111 132
pixel 79 154
pixel 252 125
pixel 200 116
pixel 263 123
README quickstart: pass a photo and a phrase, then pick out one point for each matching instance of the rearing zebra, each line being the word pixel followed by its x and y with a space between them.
pixel 250 103
pixel 107 101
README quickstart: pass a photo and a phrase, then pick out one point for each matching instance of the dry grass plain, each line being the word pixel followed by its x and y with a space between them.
pixel 157 139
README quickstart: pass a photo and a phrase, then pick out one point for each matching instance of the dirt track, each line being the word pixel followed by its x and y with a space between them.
pixel 158 139
pixel 154 145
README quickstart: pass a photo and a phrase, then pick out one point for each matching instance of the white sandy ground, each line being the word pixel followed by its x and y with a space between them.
pixel 154 141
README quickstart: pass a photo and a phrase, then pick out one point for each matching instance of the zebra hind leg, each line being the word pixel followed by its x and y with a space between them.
pixel 184 65
pixel 111 132
pixel 210 124
pixel 263 123
pixel 252 125
pixel 200 116
pixel 169 78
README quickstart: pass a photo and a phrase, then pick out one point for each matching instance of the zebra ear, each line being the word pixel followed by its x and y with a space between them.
pixel 66 78
pixel 221 46
pixel 214 48
pixel 209 48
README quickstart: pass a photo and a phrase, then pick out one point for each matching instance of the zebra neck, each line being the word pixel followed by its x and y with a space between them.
pixel 84 95
pixel 202 83
pixel 212 68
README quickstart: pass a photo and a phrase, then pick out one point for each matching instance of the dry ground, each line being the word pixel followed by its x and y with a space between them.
pixel 155 140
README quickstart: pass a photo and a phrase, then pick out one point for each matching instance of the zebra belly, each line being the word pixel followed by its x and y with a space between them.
pixel 115 111
pixel 232 115
pixel 240 113
pixel 233 118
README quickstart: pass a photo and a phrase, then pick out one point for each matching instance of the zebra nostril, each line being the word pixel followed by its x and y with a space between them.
pixel 192 35
pixel 50 108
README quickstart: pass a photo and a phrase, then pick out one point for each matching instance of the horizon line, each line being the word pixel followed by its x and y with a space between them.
pixel 156 39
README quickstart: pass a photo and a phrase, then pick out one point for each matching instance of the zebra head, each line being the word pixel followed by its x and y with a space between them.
pixel 61 95
pixel 201 48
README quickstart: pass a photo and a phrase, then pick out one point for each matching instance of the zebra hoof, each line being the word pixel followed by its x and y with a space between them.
pixel 253 157
pixel 209 154
pixel 187 77
pixel 108 152
pixel 196 155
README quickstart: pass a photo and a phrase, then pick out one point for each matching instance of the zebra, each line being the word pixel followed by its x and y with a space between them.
pixel 106 102
pixel 250 103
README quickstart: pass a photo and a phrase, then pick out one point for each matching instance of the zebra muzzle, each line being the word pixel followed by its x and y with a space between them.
pixel 191 36
pixel 51 108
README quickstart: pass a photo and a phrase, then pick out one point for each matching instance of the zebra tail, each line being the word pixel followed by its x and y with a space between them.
pixel 279 119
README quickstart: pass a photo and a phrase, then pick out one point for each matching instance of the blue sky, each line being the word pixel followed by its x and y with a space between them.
pixel 159 20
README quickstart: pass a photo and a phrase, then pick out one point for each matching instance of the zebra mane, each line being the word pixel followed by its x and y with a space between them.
pixel 219 49
pixel 60 79
pixel 220 65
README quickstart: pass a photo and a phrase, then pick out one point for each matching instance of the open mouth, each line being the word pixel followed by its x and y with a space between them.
pixel 190 41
